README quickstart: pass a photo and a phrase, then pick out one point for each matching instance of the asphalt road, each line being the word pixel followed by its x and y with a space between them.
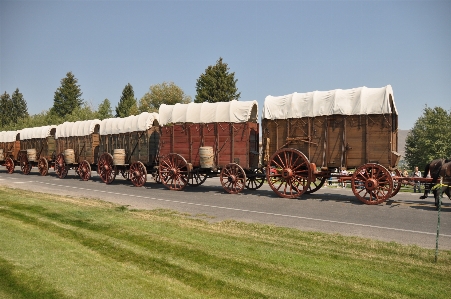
pixel 405 218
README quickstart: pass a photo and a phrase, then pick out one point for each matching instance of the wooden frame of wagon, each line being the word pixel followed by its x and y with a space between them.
pixel 200 140
pixel 307 135
pixel 10 148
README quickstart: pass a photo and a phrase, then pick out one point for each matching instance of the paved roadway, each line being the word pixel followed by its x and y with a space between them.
pixel 405 218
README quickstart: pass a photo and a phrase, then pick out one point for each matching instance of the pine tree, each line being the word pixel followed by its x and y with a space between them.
pixel 67 96
pixel 5 109
pixel 127 104
pixel 19 106
pixel 217 84
pixel 105 110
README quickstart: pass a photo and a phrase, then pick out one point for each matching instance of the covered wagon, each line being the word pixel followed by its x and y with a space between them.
pixel 77 147
pixel 37 148
pixel 307 135
pixel 9 149
pixel 130 146
pixel 209 139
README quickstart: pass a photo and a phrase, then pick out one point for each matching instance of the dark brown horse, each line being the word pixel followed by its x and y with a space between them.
pixel 445 173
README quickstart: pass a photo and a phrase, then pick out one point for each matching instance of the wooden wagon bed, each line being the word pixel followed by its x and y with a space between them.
pixel 352 129
pixel 10 149
pixel 229 129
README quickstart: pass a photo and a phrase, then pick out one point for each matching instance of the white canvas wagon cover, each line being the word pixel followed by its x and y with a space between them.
pixel 78 128
pixel 8 136
pixel 37 132
pixel 232 112
pixel 355 101
pixel 134 123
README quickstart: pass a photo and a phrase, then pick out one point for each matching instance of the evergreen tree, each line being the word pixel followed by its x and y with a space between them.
pixel 164 93
pixel 104 110
pixel 430 138
pixel 19 106
pixel 67 96
pixel 217 84
pixel 5 109
pixel 127 104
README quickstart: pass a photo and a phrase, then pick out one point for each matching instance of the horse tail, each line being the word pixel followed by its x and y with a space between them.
pixel 426 170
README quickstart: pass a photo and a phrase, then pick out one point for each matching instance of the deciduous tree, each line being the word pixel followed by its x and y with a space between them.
pixel 164 93
pixel 217 84
pixel 67 96
pixel 429 138
pixel 127 104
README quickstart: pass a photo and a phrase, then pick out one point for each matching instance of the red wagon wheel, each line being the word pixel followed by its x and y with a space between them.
pixel 233 178
pixel 84 170
pixel 255 179
pixel 174 172
pixel 396 183
pixel 25 166
pixel 43 166
pixel 61 168
pixel 196 179
pixel 138 174
pixel 9 163
pixel 315 185
pixel 106 168
pixel 289 173
pixel 372 183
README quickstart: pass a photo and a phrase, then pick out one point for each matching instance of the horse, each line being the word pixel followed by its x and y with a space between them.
pixel 445 173
pixel 437 168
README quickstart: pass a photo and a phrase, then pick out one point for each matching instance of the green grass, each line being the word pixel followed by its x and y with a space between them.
pixel 62 247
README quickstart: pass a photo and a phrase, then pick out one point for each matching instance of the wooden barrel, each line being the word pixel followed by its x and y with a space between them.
pixel 2 156
pixel 119 156
pixel 206 156
pixel 31 154
pixel 69 156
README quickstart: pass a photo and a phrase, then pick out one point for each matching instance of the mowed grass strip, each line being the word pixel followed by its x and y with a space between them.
pixel 62 247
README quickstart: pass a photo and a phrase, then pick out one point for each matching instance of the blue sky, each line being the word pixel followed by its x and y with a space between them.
pixel 274 48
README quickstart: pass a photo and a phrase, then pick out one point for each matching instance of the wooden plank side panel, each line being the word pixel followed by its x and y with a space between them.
pixel 335 146
pixel 380 140
pixel 355 141
pixel 224 150
pixel 198 134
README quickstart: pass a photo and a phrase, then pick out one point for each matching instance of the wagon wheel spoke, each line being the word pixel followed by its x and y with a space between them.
pixel 372 184
pixel 9 163
pixel 84 170
pixel 106 168
pixel 138 174
pixel 43 166
pixel 173 172
pixel 292 175
pixel 255 179
pixel 233 178
pixel 60 166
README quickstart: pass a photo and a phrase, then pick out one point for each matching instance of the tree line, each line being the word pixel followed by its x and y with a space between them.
pixel 427 140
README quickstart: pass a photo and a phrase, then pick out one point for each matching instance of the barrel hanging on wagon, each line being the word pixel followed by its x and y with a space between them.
pixel 77 147
pixel 307 135
pixel 199 140
pixel 129 146
pixel 9 149
pixel 37 148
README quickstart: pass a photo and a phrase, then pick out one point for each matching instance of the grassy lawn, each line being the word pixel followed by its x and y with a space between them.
pixel 63 247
